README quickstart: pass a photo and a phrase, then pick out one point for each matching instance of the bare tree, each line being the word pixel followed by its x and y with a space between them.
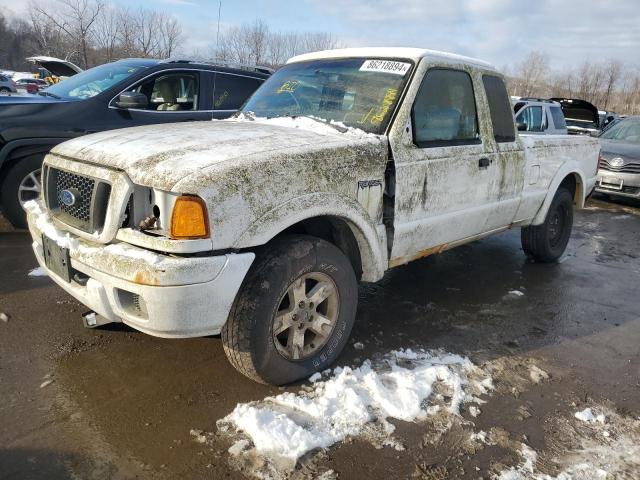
pixel 170 36
pixel 76 18
pixel 107 32
pixel 613 73
pixel 530 74
pixel 255 44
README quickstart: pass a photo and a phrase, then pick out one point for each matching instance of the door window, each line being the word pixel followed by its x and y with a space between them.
pixel 170 92
pixel 532 118
pixel 231 91
pixel 444 112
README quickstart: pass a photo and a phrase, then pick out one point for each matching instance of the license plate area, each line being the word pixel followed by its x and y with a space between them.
pixel 56 258
pixel 611 183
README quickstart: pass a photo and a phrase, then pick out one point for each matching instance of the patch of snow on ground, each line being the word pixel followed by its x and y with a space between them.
pixel 38 272
pixel 588 416
pixel 591 456
pixel 406 385
pixel 537 375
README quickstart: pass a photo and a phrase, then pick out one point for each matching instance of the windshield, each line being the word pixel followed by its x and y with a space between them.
pixel 358 92
pixel 91 82
pixel 625 130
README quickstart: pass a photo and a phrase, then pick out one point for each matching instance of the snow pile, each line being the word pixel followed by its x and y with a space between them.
pixel 526 470
pixel 38 272
pixel 588 416
pixel 405 385
pixel 307 122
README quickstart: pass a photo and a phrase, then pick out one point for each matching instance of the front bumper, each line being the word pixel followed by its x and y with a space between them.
pixel 618 184
pixel 162 295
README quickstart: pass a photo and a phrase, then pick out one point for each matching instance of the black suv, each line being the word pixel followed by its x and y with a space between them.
pixel 121 94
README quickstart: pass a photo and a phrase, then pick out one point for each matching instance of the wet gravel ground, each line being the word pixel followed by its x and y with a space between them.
pixel 115 403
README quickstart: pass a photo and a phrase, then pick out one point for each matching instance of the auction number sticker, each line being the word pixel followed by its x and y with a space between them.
pixel 385 66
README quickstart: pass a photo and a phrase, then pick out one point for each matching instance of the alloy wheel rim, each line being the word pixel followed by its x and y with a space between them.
pixel 306 316
pixel 30 187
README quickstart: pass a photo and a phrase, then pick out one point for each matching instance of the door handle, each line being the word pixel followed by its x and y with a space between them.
pixel 484 162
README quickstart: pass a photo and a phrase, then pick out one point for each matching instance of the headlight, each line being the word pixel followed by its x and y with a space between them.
pixel 189 218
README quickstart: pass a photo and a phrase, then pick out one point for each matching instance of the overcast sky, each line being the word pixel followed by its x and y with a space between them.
pixel 500 31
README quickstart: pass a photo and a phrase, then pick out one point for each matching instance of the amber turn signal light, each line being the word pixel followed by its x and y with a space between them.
pixel 189 218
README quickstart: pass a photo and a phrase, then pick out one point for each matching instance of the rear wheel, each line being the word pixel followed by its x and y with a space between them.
pixel 547 242
pixel 21 184
pixel 294 312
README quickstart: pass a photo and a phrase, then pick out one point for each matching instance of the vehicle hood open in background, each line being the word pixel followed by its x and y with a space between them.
pixel 60 68
pixel 160 156
pixel 579 114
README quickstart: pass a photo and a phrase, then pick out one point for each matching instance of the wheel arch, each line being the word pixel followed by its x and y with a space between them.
pixel 569 177
pixel 13 151
pixel 332 217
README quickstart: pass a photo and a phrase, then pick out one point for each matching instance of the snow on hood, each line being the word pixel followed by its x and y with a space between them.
pixel 162 155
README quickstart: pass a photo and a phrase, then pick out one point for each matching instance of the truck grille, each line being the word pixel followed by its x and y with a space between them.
pixel 626 168
pixel 90 199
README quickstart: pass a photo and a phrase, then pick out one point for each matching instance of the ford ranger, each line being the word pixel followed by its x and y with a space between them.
pixel 343 164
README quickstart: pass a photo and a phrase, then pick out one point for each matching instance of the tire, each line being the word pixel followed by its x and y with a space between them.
pixel 547 242
pixel 269 294
pixel 11 206
pixel 4 89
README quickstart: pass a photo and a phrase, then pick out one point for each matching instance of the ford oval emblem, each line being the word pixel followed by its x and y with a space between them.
pixel 616 162
pixel 68 197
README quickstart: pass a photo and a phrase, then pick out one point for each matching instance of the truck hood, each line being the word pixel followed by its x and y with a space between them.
pixel 160 156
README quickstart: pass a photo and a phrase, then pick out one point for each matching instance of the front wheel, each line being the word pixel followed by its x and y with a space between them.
pixel 294 312
pixel 547 242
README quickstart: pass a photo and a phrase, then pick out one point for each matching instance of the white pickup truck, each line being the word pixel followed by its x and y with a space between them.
pixel 344 164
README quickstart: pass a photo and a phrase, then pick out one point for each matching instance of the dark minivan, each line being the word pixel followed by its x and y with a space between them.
pixel 121 94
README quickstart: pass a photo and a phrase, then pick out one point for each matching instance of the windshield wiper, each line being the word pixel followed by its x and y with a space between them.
pixel 44 93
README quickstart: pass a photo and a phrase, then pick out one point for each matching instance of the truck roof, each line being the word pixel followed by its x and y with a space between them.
pixel 392 52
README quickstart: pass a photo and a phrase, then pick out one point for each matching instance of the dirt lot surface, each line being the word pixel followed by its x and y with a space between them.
pixel 116 403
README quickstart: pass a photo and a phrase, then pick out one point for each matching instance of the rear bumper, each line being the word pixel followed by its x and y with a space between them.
pixel 164 296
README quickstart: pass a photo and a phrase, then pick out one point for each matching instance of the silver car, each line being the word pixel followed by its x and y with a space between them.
pixel 538 117
pixel 7 85
pixel 619 173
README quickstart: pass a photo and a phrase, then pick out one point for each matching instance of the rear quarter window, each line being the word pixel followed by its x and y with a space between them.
pixel 558 117
pixel 231 91
pixel 500 109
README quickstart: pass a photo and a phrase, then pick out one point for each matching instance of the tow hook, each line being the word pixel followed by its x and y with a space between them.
pixel 91 319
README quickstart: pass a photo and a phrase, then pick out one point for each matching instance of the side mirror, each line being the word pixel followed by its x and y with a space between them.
pixel 132 100
pixel 522 127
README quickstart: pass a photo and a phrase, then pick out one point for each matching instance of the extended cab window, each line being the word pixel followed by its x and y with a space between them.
pixel 532 118
pixel 231 91
pixel 170 92
pixel 558 117
pixel 500 109
pixel 444 112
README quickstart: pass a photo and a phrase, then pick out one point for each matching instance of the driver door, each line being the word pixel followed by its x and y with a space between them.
pixel 445 176
pixel 173 96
